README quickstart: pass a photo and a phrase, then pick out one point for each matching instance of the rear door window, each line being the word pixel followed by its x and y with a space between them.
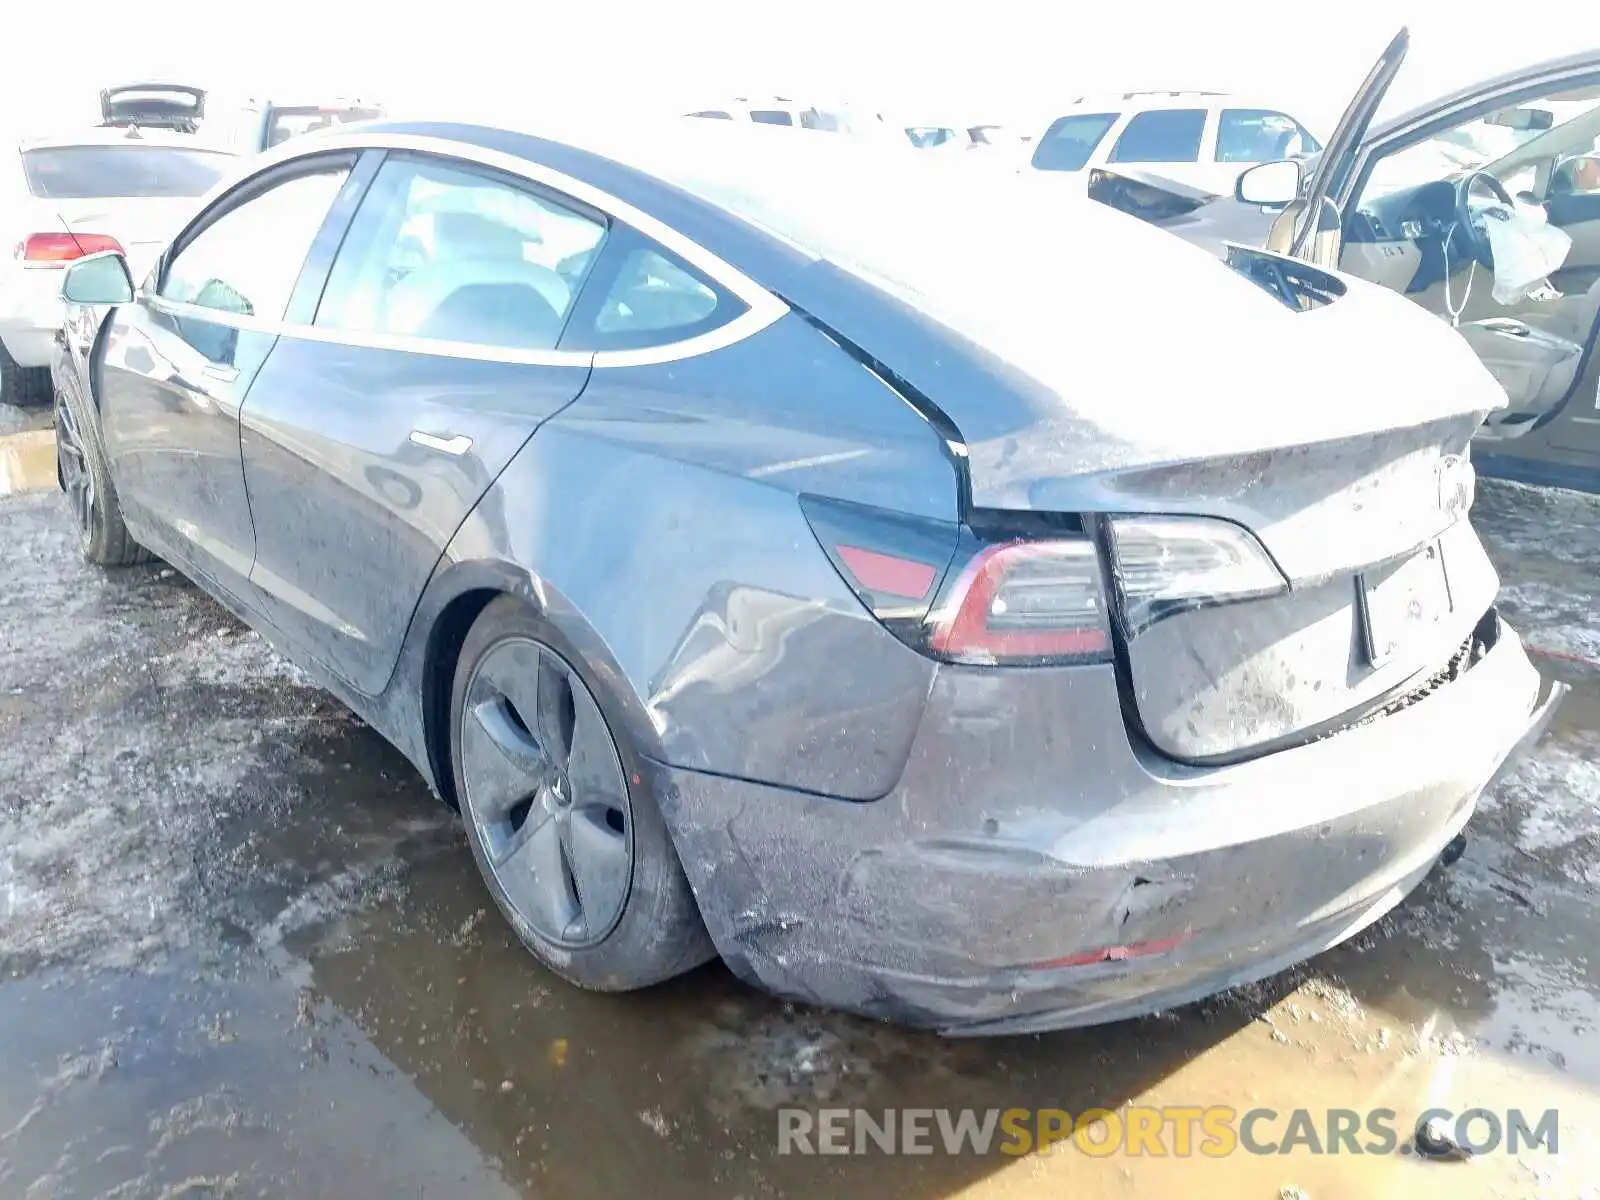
pixel 440 250
pixel 1069 142
pixel 114 172
pixel 642 295
pixel 1161 135
pixel 771 116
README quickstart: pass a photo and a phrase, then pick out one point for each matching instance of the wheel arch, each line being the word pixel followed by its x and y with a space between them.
pixel 458 597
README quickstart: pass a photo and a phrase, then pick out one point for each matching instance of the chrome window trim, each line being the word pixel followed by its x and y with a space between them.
pixel 369 340
pixel 762 307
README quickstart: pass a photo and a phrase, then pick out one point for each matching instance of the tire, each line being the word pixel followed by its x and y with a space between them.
pixel 80 459
pixel 23 386
pixel 657 933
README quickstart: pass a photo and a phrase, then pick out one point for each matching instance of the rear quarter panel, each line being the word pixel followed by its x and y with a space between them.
pixel 657 523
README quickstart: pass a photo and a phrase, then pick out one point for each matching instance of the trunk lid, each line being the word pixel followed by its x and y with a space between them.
pixel 1160 380
pixel 1123 370
pixel 177 106
pixel 1323 431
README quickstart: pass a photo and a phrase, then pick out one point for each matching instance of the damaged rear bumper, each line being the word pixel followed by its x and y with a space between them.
pixel 1034 869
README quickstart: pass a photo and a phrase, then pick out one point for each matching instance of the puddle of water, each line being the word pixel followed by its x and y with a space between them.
pixel 27 461
pixel 210 1078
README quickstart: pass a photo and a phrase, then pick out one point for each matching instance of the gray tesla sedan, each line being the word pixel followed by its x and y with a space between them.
pixel 939 597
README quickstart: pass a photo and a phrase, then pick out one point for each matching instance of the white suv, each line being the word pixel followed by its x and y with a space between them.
pixel 1204 139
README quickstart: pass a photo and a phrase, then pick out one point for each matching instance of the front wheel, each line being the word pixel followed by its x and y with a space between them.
pixel 92 498
pixel 563 827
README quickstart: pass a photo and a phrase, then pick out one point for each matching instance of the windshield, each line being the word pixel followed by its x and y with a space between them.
pixel 85 172
pixel 1484 141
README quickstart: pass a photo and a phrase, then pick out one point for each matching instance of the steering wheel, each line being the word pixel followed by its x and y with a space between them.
pixel 1475 240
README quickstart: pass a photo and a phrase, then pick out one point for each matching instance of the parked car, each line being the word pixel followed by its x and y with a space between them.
pixel 242 125
pixel 937 137
pixel 64 197
pixel 759 583
pixel 1399 204
pixel 791 113
pixel 1204 139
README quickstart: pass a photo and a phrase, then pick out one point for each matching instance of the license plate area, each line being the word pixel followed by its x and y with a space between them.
pixel 1403 604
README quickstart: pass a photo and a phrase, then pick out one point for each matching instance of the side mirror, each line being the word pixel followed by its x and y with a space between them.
pixel 1270 184
pixel 98 279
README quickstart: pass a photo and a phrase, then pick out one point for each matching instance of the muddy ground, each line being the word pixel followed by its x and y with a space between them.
pixel 244 953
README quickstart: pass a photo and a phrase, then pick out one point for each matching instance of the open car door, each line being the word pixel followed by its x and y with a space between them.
pixel 1309 225
pixel 1286 206
pixel 1484 209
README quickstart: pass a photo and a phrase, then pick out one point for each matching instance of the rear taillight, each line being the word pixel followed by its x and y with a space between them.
pixel 1024 602
pixel 52 249
pixel 1165 565
pixel 893 562
pixel 962 596
pixel 954 596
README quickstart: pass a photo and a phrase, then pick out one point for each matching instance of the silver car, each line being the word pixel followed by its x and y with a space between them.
pixel 988 624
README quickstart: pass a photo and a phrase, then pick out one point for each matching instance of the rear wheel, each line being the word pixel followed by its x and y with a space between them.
pixel 21 385
pixel 562 825
pixel 91 496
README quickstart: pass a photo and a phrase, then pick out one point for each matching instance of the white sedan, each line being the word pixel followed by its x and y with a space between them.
pixel 62 198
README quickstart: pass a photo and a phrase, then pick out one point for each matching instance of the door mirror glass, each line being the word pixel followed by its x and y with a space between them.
pixel 1577 176
pixel 1523 120
pixel 1270 185
pixel 98 279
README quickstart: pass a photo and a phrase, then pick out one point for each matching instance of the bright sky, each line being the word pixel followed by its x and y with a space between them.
pixel 982 60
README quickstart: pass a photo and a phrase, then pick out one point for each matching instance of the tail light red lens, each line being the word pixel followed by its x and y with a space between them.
pixel 951 594
pixel 1033 602
pixel 891 561
pixel 50 249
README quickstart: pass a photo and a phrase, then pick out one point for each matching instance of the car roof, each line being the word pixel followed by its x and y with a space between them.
pixel 743 171
pixel 99 135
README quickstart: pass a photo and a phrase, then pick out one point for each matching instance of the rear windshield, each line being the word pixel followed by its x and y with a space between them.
pixel 93 172
pixel 286 123
pixel 1067 144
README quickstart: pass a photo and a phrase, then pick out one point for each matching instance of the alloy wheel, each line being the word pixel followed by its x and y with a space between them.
pixel 546 794
pixel 73 464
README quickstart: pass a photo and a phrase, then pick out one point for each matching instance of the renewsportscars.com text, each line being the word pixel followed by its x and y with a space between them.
pixel 1214 1131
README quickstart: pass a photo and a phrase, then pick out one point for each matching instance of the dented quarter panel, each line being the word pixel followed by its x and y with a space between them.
pixel 658 523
